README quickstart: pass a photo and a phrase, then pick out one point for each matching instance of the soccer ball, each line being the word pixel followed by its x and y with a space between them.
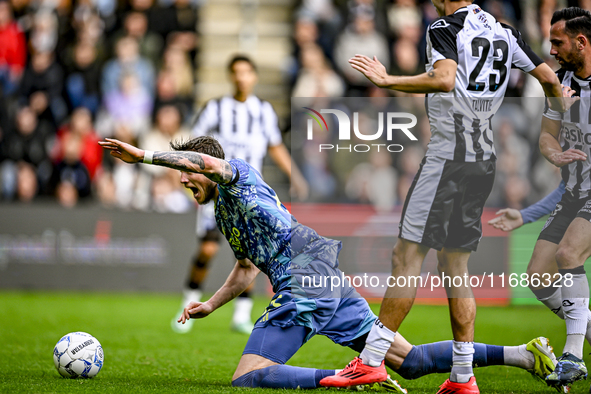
pixel 78 354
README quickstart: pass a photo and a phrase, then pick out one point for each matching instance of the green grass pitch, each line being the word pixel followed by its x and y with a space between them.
pixel 142 354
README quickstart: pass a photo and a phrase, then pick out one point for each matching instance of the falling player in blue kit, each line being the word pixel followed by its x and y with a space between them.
pixel 266 237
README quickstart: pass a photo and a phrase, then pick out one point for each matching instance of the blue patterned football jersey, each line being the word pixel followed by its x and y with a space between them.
pixel 258 227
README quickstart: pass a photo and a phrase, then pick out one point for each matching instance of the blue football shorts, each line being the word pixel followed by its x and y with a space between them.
pixel 291 319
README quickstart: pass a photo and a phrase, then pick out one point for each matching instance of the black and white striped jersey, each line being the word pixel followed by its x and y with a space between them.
pixel 244 129
pixel 485 50
pixel 575 132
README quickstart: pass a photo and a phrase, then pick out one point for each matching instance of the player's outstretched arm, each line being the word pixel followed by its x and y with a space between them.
pixel 510 219
pixel 507 219
pixel 441 79
pixel 217 170
pixel 239 279
pixel 550 146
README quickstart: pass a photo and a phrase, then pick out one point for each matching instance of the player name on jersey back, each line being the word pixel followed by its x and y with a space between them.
pixel 482 105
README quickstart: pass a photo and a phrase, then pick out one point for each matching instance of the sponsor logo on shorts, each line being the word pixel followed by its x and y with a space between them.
pixel 275 303
pixel 556 210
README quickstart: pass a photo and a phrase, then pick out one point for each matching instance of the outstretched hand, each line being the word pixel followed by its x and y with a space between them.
pixel 371 68
pixel 560 159
pixel 123 151
pixel 508 219
pixel 195 310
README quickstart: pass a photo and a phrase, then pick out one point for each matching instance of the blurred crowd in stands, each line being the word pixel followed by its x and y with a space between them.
pixel 75 71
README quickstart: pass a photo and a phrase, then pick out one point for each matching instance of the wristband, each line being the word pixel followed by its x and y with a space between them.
pixel 148 156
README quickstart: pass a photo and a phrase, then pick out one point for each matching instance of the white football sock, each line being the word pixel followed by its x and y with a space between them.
pixel 574 345
pixel 575 303
pixel 378 342
pixel 242 310
pixel 518 356
pixel 463 355
pixel 554 303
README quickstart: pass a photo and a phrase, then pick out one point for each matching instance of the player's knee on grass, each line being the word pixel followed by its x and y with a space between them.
pixel 282 377
pixel 247 379
pixel 264 377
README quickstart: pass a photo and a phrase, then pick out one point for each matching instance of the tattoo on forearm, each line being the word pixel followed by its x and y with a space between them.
pixel 183 161
pixel 431 74
pixel 197 159
pixel 192 162
pixel 226 174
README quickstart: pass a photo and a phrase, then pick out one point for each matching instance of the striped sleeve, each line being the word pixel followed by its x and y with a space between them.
pixel 270 124
pixel 207 120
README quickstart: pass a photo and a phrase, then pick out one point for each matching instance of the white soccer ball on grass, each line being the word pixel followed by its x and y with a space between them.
pixel 78 354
